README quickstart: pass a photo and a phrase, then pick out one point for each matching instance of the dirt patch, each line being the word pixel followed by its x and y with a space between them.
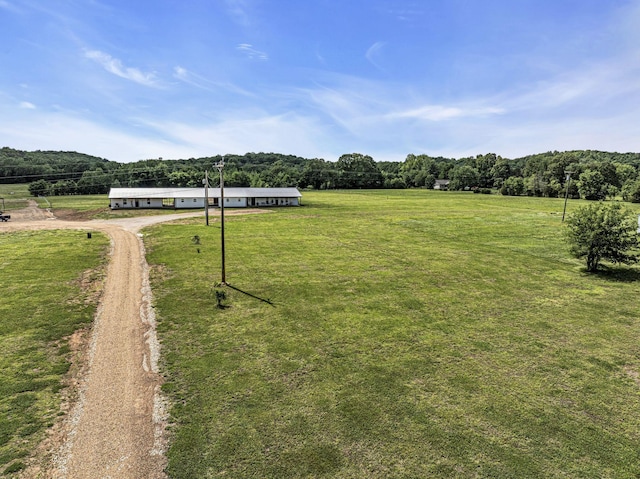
pixel 31 213
pixel 633 374
pixel 91 283
pixel 73 215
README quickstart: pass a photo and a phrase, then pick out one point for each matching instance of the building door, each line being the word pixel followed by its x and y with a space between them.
pixel 137 204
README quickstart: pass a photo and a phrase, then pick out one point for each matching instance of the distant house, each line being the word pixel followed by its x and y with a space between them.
pixel 441 185
pixel 178 198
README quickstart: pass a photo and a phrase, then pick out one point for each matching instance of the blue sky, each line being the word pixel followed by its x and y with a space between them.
pixel 136 79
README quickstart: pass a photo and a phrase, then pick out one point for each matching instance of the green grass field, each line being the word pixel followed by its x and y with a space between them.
pixel 47 281
pixel 412 334
pixel 14 196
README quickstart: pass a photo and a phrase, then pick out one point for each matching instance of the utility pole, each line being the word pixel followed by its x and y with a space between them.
pixel 220 167
pixel 206 196
pixel 566 194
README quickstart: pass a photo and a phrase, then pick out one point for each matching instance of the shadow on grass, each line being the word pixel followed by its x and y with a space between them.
pixel 620 275
pixel 268 301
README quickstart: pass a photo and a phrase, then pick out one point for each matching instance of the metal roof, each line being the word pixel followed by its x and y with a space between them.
pixel 231 192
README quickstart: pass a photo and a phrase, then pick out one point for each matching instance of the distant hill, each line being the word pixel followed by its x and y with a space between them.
pixel 542 174
pixel 17 166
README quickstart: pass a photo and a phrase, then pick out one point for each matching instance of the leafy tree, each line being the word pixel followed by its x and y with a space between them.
pixel 424 179
pixel 92 182
pixel 625 172
pixel 464 177
pixel 592 185
pixel 188 178
pixel 631 191
pixel 552 189
pixel 512 186
pixel 318 174
pixel 356 170
pixel 40 188
pixel 237 178
pixel 603 231
pixel 63 187
pixel 280 175
pixel 394 183
pixel 500 171
pixel 535 185
pixel 484 165
pixel 609 172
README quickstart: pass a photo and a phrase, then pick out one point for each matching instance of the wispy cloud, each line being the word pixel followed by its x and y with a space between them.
pixel 27 105
pixel 373 53
pixel 252 53
pixel 247 131
pixel 115 66
pixel 238 11
pixel 198 81
pixel 441 112
pixel 191 78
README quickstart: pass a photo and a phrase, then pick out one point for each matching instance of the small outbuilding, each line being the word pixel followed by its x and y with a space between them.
pixel 178 198
pixel 441 185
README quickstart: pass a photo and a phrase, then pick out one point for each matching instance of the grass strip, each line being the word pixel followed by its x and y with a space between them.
pixel 49 282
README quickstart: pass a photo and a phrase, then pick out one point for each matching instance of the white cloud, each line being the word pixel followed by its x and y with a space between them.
pixel 149 137
pixel 27 105
pixel 441 113
pixel 248 131
pixel 373 53
pixel 252 53
pixel 115 66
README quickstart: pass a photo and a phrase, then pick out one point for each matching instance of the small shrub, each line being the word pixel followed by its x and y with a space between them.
pixel 221 296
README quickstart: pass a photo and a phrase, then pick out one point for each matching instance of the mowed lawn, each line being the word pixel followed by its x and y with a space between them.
pixel 49 287
pixel 411 334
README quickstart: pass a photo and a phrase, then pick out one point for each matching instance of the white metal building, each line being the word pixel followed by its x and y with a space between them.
pixel 176 198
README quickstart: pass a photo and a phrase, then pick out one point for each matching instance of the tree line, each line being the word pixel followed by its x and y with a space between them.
pixel 594 174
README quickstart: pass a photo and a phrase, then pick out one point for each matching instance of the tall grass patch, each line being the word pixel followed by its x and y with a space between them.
pixel 410 334
pixel 47 291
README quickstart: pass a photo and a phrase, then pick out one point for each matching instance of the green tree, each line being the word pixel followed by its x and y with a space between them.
pixel 631 191
pixel 39 188
pixel 188 178
pixel 464 177
pixel 63 188
pixel 237 178
pixel 500 171
pixel 484 165
pixel 356 170
pixel 512 186
pixel 603 231
pixel 592 185
pixel 317 174
pixel 625 172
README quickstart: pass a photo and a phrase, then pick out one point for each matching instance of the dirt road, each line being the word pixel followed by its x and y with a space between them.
pixel 116 427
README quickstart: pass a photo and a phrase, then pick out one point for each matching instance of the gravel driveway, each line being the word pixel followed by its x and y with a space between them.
pixel 115 429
